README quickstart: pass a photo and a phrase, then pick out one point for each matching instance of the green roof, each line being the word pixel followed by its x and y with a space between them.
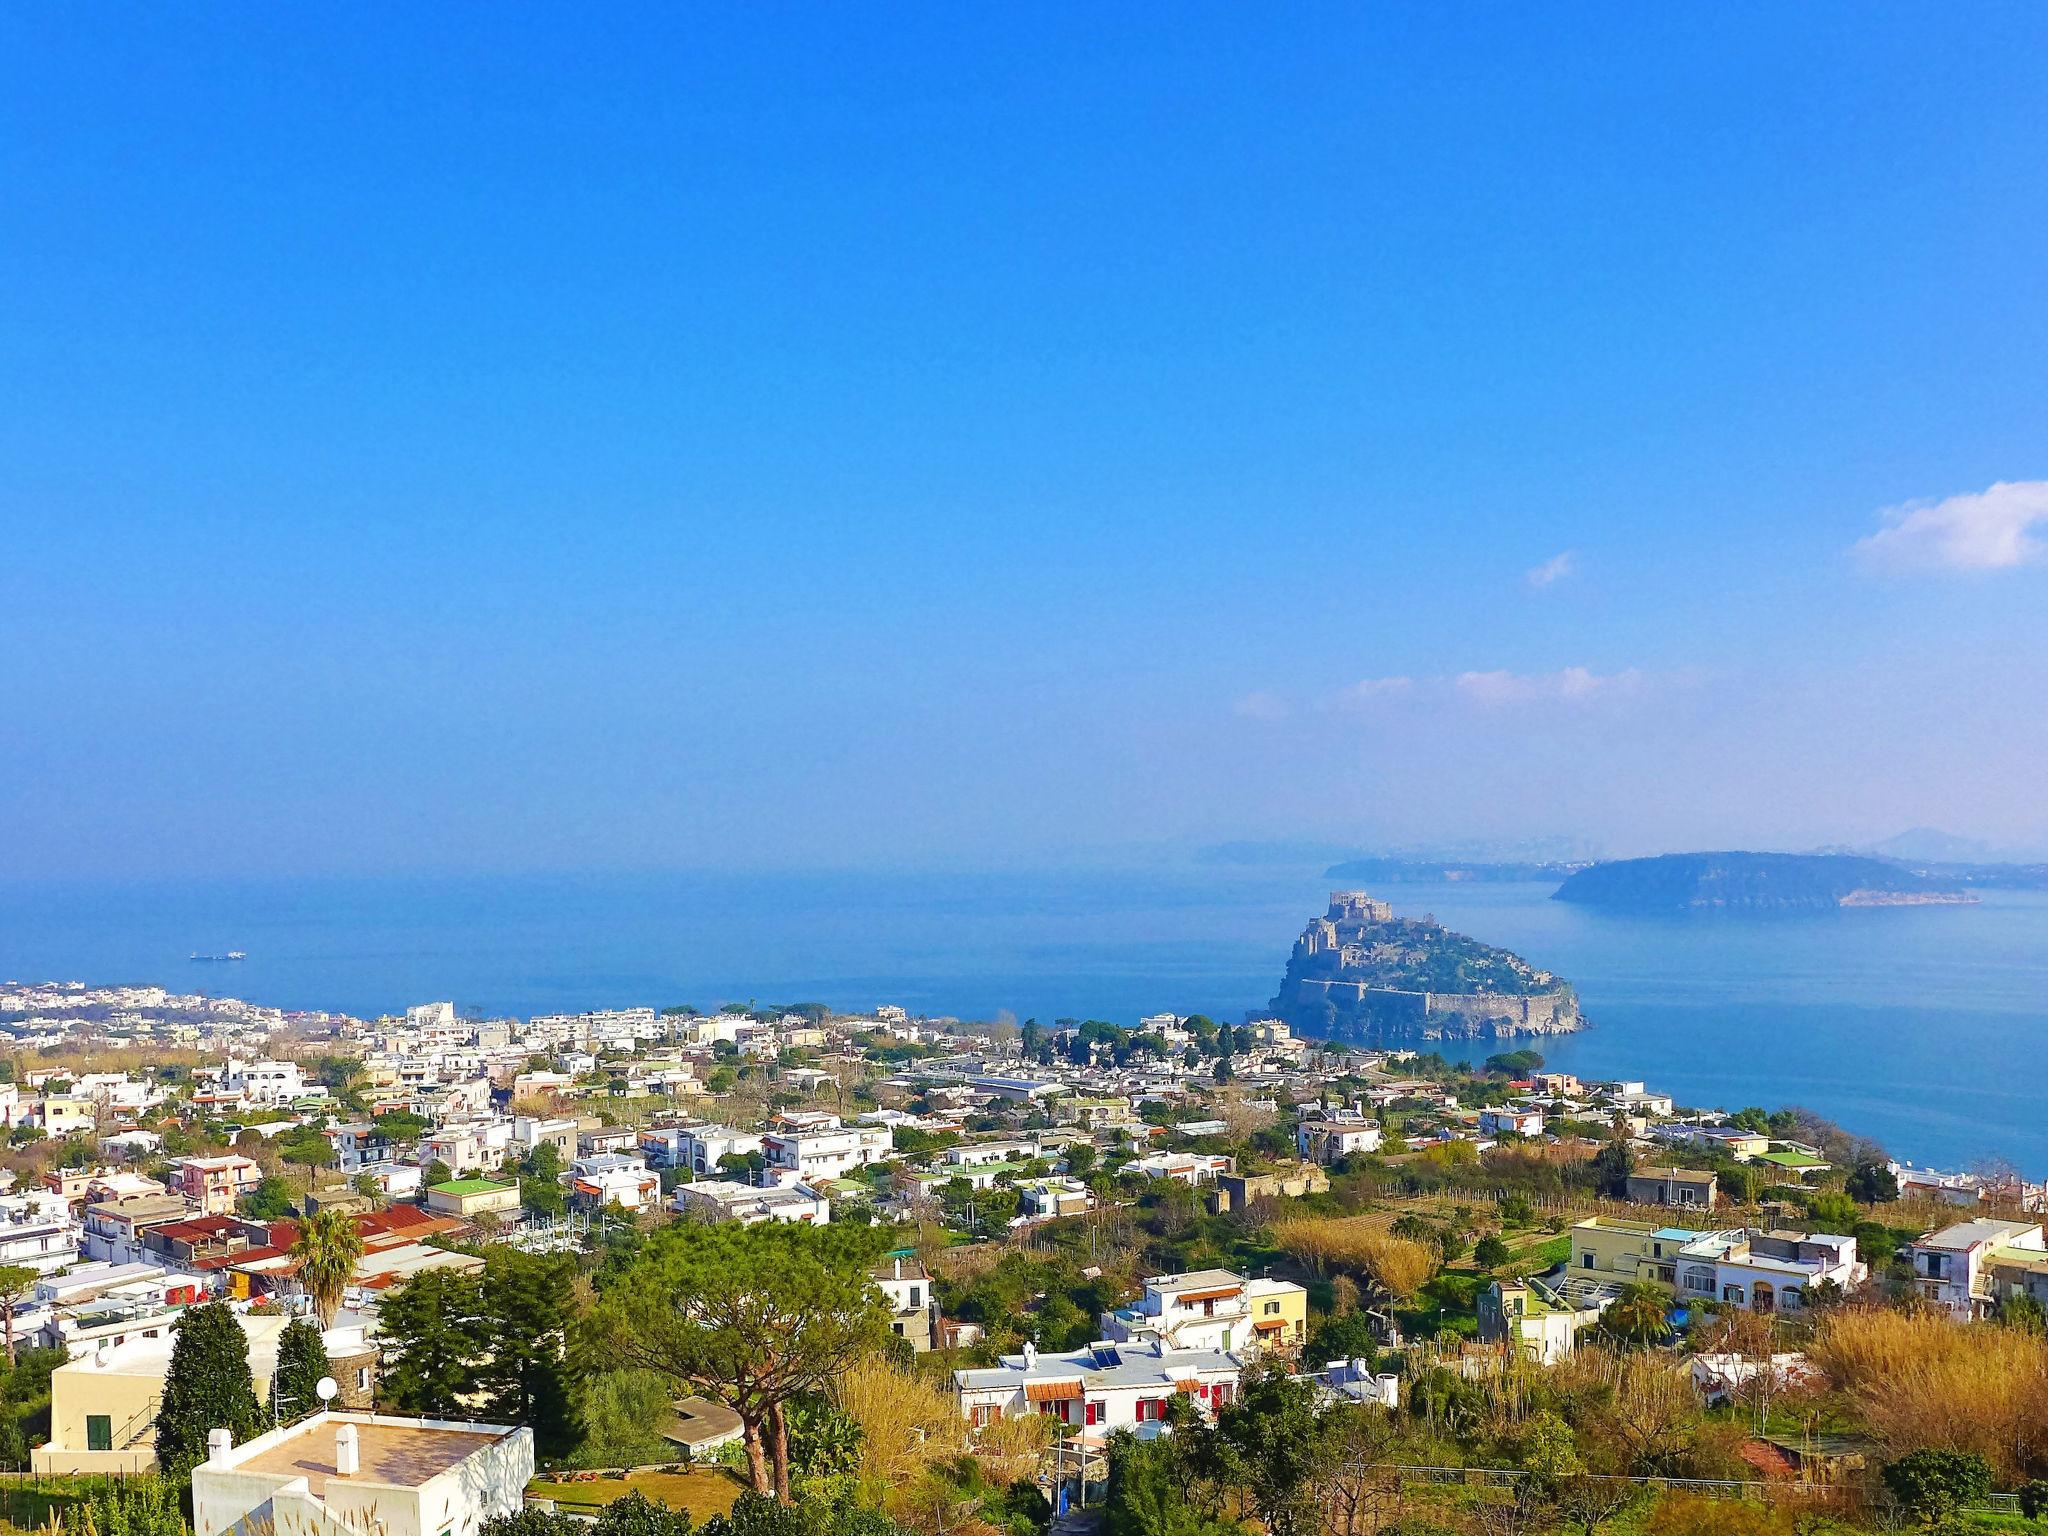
pixel 469 1187
pixel 1791 1160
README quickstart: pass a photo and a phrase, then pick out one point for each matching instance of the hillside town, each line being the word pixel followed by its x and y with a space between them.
pixel 1093 1230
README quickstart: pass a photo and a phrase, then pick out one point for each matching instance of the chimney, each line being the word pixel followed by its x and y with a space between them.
pixel 899 1269
pixel 1030 1354
pixel 346 1461
pixel 218 1443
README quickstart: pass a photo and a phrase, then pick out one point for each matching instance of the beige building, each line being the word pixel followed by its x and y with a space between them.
pixel 103 1404
pixel 363 1474
pixel 470 1198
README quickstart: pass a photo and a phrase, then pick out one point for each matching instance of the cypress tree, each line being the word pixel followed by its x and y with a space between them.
pixel 301 1362
pixel 207 1387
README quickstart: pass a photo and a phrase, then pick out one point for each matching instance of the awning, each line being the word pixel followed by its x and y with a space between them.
pixel 1192 1384
pixel 1187 1296
pixel 1269 1325
pixel 1051 1391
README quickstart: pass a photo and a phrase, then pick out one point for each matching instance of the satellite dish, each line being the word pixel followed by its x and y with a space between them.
pixel 327 1389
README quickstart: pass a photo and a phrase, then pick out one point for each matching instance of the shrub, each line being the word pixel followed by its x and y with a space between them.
pixel 1936 1484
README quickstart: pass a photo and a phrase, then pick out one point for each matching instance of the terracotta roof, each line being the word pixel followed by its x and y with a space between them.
pixel 1187 1296
pixel 1051 1391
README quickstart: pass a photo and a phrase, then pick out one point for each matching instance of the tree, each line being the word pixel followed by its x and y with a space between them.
pixel 1159 1488
pixel 15 1283
pixel 1491 1253
pixel 540 1181
pixel 1935 1485
pixel 1345 1337
pixel 1640 1313
pixel 207 1387
pixel 1612 1165
pixel 301 1362
pixel 307 1148
pixel 327 1249
pixel 525 1369
pixel 749 1317
pixel 432 1329
pixel 1872 1183
pixel 437 1172
pixel 270 1200
pixel 1833 1212
pixel 1277 1443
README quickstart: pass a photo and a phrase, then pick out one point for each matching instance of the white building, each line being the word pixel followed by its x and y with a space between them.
pixel 355 1472
pixel 1952 1266
pixel 1190 1168
pixel 1103 1388
pixel 748 1204
pixel 1325 1135
pixel 820 1156
pixel 697 1147
pixel 1207 1309
pixel 264 1082
pixel 614 1178
pixel 1057 1195
pixel 1765 1271
pixel 1510 1121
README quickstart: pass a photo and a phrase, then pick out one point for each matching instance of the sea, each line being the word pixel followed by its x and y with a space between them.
pixel 1922 1027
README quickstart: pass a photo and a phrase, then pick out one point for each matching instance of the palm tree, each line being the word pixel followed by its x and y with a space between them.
pixel 1641 1311
pixel 327 1249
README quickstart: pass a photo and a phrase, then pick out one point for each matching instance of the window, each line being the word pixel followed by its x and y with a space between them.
pixel 1151 1409
pixel 1272 1308
pixel 362 1378
pixel 99 1432
pixel 1588 1261
pixel 1094 1413
pixel 1732 1293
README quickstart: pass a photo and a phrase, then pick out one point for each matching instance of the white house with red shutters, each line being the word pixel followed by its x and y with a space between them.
pixel 1100 1389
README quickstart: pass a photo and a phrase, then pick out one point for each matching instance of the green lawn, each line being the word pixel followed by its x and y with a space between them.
pixel 703 1491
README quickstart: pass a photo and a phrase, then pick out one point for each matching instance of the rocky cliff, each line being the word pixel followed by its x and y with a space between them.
pixel 1360 973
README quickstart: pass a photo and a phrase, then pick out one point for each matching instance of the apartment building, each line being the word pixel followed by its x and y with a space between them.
pixel 823 1155
pixel 215 1184
pixel 1953 1267
pixel 1213 1309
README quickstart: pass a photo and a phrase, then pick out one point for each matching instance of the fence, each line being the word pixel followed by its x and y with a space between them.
pixel 1709 1487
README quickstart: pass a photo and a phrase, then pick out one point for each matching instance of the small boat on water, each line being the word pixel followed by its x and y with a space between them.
pixel 233 954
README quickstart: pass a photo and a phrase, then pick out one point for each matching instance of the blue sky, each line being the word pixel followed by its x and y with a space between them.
pixel 477 437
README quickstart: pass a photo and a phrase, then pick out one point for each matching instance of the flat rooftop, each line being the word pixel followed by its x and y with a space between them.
pixel 401 1455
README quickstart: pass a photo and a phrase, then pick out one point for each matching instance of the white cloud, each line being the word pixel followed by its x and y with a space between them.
pixel 1979 531
pixel 1262 706
pixel 1371 690
pixel 1556 568
pixel 1572 685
